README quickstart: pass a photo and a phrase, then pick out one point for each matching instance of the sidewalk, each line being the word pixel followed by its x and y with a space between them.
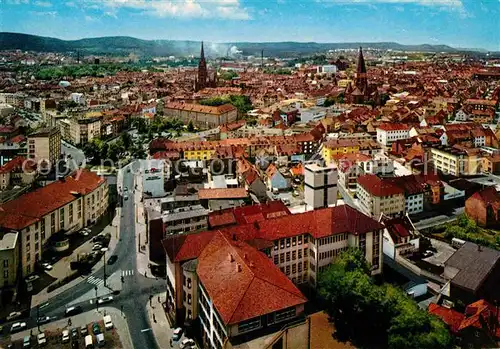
pixel 113 229
pixel 119 322
pixel 161 327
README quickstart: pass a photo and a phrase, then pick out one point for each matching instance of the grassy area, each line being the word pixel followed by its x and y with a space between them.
pixel 466 229
pixel 111 338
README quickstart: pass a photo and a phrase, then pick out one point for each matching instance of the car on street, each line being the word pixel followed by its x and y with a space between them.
pixel 14 315
pixel 32 278
pixel 26 342
pixel 96 247
pixel 125 196
pixel 41 339
pixel 65 336
pixel 187 343
pixel 108 324
pixel 125 189
pixel 43 320
pixel 112 259
pixel 73 310
pixel 46 266
pixel 17 327
pixel 177 334
pixel 74 333
pixel 104 300
pixel 427 253
pixel 95 328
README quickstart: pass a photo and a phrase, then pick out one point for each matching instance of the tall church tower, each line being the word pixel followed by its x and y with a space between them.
pixel 361 79
pixel 203 80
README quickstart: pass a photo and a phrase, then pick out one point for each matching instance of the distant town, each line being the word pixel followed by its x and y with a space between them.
pixel 346 198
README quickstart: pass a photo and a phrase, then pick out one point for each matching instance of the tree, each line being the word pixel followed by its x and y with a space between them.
pixel 375 316
pixel 190 126
pixel 126 140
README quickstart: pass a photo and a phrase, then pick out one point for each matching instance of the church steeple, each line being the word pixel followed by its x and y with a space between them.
pixel 202 53
pixel 361 69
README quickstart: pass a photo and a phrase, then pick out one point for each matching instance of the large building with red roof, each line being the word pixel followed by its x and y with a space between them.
pixel 245 274
pixel 66 205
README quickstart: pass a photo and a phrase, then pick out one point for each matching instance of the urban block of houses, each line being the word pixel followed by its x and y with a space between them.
pixel 215 275
pixel 64 206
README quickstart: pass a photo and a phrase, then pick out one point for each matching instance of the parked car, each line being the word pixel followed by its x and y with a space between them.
pixel 74 333
pixel 177 334
pixel 41 339
pixel 43 320
pixel 83 330
pixel 84 233
pixel 14 315
pixel 46 266
pixel 73 310
pixel 65 336
pixel 125 196
pixel 108 325
pixel 96 247
pixel 100 340
pixel 187 343
pixel 427 253
pixel 112 259
pixel 17 327
pixel 95 328
pixel 27 342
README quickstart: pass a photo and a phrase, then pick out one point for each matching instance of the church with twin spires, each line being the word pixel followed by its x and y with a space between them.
pixel 203 80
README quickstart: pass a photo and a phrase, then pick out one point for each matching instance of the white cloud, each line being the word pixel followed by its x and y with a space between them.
pixel 43 3
pixel 227 9
pixel 44 13
pixel 89 18
pixel 438 3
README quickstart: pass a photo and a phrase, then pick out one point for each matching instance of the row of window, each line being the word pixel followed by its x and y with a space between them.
pixel 293 255
pixel 332 253
pixel 332 239
pixel 287 242
pixel 295 268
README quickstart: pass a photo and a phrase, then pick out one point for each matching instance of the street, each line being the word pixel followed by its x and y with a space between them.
pixel 135 291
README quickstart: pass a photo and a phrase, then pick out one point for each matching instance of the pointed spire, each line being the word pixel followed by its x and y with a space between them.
pixel 361 69
pixel 202 53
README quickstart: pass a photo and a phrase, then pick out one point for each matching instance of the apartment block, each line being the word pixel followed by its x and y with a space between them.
pixel 9 259
pixel 292 249
pixel 66 205
pixel 377 196
pixel 45 146
pixel 320 185
pixel 389 133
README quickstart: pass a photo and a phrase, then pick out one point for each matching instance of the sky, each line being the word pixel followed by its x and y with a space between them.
pixel 458 23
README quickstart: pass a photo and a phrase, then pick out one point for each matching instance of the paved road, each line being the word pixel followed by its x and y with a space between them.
pixel 438 220
pixel 135 291
pixel 347 198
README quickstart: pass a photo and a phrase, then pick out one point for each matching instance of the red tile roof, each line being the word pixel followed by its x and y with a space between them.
pixel 393 127
pixel 16 164
pixel 449 316
pixel 221 193
pixel 242 282
pixel 378 187
pixel 29 208
pixel 198 108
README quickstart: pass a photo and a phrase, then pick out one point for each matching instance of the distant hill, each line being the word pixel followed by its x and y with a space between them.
pixel 124 45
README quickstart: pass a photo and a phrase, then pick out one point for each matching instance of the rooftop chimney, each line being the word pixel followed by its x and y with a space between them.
pixel 256 225
pixel 234 237
pixel 239 268
pixel 231 257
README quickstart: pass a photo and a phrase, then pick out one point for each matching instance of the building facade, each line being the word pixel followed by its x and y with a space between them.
pixel 45 146
pixel 9 259
pixel 64 206
pixel 320 185
pixel 202 116
pixel 377 196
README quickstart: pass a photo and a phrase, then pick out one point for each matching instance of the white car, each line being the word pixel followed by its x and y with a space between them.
pixel 105 300
pixel 13 315
pixel 46 266
pixel 107 322
pixel 41 339
pixel 187 344
pixel 18 326
pixel 96 247
pixel 65 336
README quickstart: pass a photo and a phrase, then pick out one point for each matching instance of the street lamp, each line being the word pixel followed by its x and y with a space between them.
pixel 38 317
pixel 96 302
pixel 104 249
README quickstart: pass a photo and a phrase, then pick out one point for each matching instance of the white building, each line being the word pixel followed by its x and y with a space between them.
pixel 326 69
pixel 320 185
pixel 153 177
pixel 389 133
pixel 461 115
pixel 400 237
pixel 78 98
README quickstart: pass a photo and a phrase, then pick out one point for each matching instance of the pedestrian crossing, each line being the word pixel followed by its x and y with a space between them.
pixel 95 281
pixel 127 272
